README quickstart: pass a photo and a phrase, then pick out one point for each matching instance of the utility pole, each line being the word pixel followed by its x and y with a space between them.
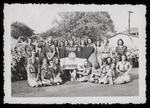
pixel 129 20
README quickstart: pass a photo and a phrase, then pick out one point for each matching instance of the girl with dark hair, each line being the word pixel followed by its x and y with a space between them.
pixel 90 43
pixel 120 49
pixel 92 57
pixel 123 68
pixel 57 71
pixel 56 49
pixel 82 43
pixel 61 44
pixel 66 43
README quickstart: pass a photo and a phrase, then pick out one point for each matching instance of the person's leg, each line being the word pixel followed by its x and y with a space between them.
pixel 91 79
pixel 119 80
pixel 109 77
pixel 83 79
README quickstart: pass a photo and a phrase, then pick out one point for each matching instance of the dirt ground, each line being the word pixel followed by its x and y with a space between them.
pixel 78 89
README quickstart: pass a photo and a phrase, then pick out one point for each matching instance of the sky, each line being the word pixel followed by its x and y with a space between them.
pixel 40 17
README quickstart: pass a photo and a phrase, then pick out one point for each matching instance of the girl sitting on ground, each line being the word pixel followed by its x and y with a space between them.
pixel 85 75
pixel 123 68
pixel 32 77
pixel 57 71
pixel 96 71
pixel 46 74
pixel 106 73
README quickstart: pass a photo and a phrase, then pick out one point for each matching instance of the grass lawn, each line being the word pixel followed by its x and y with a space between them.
pixel 78 89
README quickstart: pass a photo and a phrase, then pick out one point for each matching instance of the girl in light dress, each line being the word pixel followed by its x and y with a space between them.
pixel 123 68
pixel 106 50
pixel 98 52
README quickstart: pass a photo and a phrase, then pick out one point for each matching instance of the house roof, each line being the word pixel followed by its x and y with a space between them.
pixel 132 30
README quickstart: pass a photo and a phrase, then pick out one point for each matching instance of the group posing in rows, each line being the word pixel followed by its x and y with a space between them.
pixel 43 68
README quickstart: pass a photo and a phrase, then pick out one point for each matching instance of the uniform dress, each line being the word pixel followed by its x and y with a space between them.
pixel 122 78
pixel 105 51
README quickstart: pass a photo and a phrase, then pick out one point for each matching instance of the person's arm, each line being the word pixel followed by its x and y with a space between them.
pixel 86 73
pixel 47 55
pixel 100 52
pixel 117 67
pixel 92 74
pixel 126 50
pixel 57 51
pixel 110 52
pixel 129 69
pixel 25 50
pixel 116 54
pixel 53 52
pixel 42 75
pixel 81 72
pixel 39 70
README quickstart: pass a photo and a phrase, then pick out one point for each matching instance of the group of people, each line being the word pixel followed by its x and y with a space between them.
pixel 42 63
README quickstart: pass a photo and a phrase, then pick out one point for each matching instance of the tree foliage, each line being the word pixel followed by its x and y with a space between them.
pixel 82 24
pixel 20 29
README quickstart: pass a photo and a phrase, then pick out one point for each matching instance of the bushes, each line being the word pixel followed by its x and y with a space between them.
pixel 18 71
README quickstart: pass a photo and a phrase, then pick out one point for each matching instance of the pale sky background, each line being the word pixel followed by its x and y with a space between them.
pixel 39 17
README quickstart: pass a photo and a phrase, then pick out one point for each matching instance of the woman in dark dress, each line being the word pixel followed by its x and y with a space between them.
pixel 92 58
pixel 56 48
pixel 121 49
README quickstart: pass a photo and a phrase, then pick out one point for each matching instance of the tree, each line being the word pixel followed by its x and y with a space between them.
pixel 82 24
pixel 20 29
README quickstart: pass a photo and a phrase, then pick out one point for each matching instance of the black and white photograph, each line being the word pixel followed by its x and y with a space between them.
pixel 63 53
